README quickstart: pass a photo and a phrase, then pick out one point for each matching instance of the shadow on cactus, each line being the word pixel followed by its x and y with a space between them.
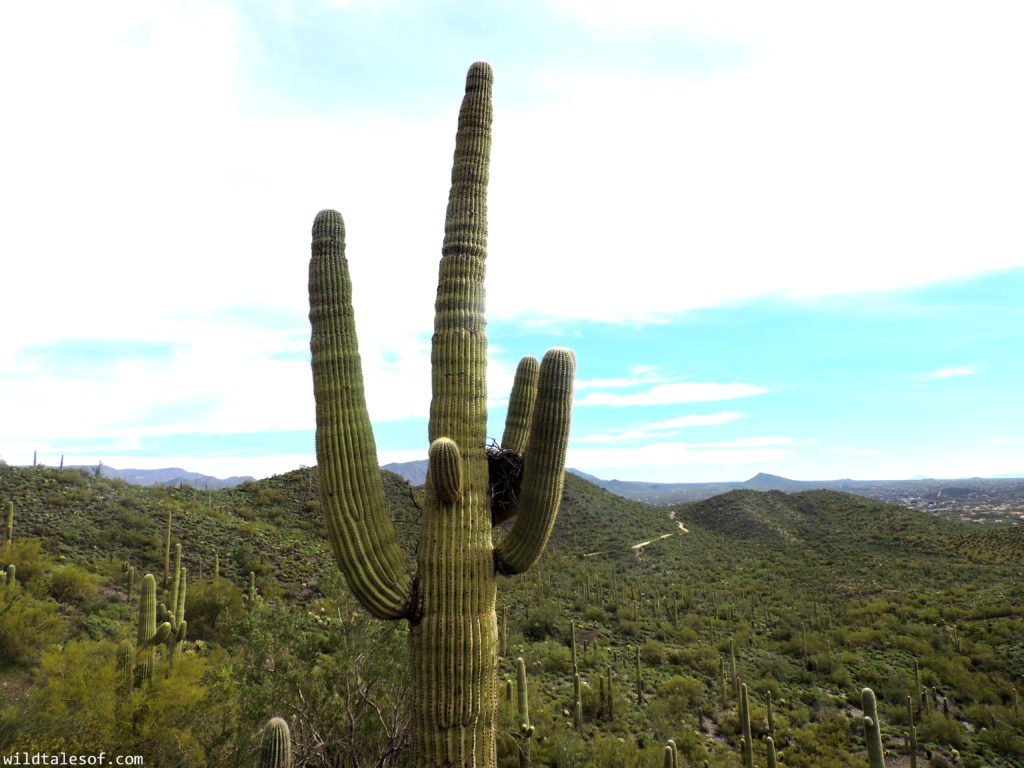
pixel 448 592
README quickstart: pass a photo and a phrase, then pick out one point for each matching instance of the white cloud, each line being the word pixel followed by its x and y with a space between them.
pixel 661 429
pixel 619 383
pixel 698 420
pixel 680 392
pixel 948 373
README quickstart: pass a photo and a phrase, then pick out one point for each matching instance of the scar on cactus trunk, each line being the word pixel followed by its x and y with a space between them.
pixel 448 592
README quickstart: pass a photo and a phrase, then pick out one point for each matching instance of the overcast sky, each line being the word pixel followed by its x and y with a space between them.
pixel 781 237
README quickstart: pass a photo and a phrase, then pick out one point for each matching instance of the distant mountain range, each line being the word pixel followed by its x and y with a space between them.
pixel 415 472
pixel 899 491
pixel 172 476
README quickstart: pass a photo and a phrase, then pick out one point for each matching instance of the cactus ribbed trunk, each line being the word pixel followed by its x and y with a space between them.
pixel 457 634
pixel 448 594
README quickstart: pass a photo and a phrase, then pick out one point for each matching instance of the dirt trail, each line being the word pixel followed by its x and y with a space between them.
pixel 642 544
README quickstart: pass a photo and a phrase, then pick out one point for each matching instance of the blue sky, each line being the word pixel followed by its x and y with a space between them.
pixel 779 239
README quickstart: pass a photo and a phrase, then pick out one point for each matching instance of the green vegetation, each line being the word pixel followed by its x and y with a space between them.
pixel 845 596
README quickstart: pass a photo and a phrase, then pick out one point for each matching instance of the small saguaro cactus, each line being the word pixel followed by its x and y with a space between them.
pixel 872 729
pixel 748 740
pixel 671 744
pixel 150 635
pixel 125 652
pixel 911 733
pixel 276 746
pixel 12 575
pixel 773 759
pixel 523 705
pixel 9 527
pixel 447 592
pixel 167 553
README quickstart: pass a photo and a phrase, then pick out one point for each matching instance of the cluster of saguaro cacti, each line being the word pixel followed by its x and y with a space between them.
pixel 251 597
pixel 872 729
pixel 150 635
pixel 448 593
pixel 175 615
pixel 276 746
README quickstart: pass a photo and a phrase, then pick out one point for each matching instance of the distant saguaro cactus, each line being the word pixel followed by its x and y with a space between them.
pixel 448 594
pixel 9 528
pixel 276 747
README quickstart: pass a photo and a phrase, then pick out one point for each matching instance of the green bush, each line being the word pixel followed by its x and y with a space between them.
pixel 939 729
pixel 69 584
pixel 27 626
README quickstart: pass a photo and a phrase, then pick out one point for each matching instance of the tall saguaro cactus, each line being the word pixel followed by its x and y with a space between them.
pixel 150 633
pixel 448 593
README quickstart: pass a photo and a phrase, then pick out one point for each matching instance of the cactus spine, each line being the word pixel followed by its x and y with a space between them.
pixel 872 729
pixel 150 635
pixel 276 746
pixel 450 601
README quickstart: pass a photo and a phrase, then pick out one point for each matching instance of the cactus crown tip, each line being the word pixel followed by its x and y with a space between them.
pixel 328 222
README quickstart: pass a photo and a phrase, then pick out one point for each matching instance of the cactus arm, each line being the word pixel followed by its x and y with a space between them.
pixel 545 465
pixel 361 533
pixel 445 470
pixel 520 405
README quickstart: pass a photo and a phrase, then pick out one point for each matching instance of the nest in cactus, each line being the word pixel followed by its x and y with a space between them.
pixel 505 477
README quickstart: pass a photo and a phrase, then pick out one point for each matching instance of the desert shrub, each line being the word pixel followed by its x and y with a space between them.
pixel 557 659
pixel 595 614
pixel 1004 739
pixel 209 607
pixel 69 584
pixel 27 625
pixel 653 652
pixel 681 693
pixel 28 555
pixel 939 729
pixel 542 624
